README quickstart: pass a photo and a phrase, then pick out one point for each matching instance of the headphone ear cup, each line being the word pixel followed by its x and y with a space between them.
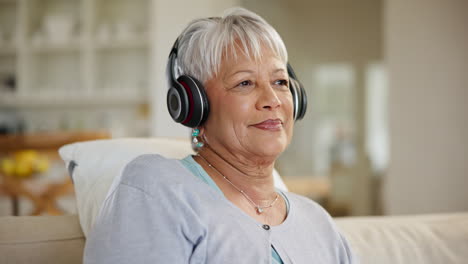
pixel 198 106
pixel 177 102
pixel 303 102
pixel 293 89
pixel 204 103
pixel 299 98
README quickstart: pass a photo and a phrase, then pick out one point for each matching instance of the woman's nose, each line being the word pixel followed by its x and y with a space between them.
pixel 268 99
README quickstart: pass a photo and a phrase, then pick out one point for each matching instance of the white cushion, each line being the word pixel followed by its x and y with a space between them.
pixel 96 167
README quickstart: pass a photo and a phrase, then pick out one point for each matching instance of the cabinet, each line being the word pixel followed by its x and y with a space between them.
pixel 76 64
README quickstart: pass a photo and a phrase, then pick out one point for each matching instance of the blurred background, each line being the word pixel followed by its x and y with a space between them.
pixel 387 83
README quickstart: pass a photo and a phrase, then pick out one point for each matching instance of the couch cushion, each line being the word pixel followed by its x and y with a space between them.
pixel 41 239
pixel 425 239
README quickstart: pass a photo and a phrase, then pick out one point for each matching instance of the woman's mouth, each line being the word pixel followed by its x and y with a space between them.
pixel 270 125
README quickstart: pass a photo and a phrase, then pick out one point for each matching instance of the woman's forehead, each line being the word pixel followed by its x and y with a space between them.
pixel 242 51
pixel 268 62
pixel 240 59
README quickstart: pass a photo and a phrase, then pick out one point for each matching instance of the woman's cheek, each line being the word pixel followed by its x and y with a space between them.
pixel 288 105
pixel 241 107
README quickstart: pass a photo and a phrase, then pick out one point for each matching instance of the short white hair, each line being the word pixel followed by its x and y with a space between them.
pixel 204 42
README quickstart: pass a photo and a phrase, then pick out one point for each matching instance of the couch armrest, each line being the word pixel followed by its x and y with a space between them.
pixel 428 239
pixel 41 239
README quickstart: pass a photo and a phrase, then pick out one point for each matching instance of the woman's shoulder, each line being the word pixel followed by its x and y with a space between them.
pixel 308 208
pixel 148 172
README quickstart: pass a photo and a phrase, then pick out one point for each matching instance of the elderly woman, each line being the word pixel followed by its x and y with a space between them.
pixel 229 82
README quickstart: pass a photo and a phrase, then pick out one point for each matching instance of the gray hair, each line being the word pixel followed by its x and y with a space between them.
pixel 204 42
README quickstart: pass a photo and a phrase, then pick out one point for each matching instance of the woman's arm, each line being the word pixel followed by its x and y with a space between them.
pixel 346 254
pixel 134 229
pixel 145 222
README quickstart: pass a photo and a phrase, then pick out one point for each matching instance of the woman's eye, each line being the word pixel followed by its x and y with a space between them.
pixel 281 82
pixel 245 83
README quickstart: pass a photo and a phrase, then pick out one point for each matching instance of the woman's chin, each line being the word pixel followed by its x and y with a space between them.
pixel 269 147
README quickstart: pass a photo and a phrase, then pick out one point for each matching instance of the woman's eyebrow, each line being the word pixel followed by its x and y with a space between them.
pixel 279 70
pixel 240 71
pixel 251 71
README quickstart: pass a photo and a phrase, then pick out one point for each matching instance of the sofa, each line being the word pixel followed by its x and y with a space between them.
pixel 95 167
pixel 421 239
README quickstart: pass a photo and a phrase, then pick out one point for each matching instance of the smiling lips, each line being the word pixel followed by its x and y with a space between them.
pixel 270 125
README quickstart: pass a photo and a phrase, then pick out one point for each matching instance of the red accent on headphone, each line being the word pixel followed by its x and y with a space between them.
pixel 190 97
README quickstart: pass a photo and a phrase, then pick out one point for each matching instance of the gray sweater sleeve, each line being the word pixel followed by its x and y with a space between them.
pixel 137 226
pixel 346 254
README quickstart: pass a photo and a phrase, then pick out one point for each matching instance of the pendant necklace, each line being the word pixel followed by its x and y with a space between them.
pixel 258 208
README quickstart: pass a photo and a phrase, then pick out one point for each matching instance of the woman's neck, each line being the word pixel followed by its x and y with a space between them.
pixel 250 175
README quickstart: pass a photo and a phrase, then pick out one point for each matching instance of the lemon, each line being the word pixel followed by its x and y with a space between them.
pixel 26 155
pixel 7 166
pixel 23 169
pixel 24 163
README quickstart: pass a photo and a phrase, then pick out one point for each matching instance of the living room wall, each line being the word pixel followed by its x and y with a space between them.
pixel 427 57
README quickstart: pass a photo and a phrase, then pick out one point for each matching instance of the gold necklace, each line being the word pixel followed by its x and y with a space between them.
pixel 260 209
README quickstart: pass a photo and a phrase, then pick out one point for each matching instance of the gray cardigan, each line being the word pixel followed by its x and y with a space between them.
pixel 161 213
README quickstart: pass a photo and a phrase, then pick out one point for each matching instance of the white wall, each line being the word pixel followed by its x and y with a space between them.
pixel 426 50
pixel 170 18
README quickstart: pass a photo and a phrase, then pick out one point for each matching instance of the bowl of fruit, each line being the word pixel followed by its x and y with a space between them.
pixel 24 164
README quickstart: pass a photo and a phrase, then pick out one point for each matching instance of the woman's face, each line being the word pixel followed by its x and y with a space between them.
pixel 251 109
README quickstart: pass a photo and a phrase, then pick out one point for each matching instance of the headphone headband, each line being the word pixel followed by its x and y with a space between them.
pixel 172 61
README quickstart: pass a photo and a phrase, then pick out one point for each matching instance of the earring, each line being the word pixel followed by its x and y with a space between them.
pixel 195 133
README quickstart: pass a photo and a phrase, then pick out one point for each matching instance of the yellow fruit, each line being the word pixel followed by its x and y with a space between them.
pixel 23 169
pixel 24 163
pixel 26 155
pixel 8 166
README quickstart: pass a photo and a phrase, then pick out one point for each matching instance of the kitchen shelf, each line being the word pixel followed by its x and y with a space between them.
pixel 55 48
pixel 61 61
pixel 131 43
pixel 54 101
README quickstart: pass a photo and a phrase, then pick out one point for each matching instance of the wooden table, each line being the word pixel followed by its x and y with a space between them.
pixel 47 144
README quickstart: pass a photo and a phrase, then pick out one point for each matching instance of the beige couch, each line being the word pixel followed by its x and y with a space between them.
pixel 421 239
pixel 59 239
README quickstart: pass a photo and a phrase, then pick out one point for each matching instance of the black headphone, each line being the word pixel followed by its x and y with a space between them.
pixel 188 104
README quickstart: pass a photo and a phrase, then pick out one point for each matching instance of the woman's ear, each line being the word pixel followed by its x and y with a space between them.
pixel 201 129
pixel 202 134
